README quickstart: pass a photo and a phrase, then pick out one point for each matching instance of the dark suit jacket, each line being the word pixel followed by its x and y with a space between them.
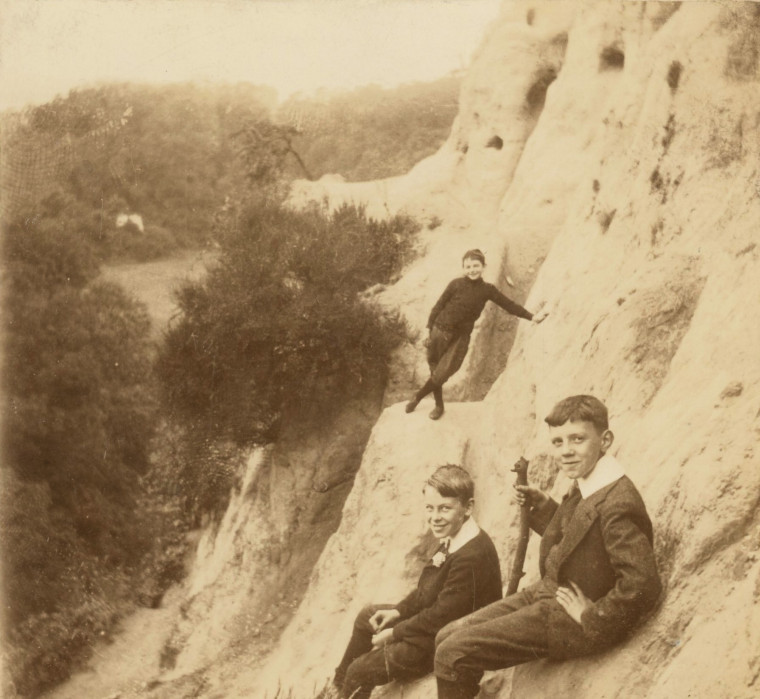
pixel 469 579
pixel 604 545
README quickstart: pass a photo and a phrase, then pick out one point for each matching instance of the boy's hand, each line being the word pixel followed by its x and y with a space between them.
pixel 533 497
pixel 380 639
pixel 574 602
pixel 382 617
pixel 540 317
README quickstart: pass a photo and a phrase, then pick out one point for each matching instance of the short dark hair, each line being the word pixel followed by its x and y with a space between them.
pixel 452 481
pixel 474 254
pixel 579 408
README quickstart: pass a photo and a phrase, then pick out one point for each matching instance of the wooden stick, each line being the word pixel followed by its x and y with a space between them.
pixel 521 470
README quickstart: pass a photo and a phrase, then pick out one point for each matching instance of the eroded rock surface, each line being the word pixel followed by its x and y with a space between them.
pixel 630 208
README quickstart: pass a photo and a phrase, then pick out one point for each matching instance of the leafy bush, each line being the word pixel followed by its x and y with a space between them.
pixel 278 327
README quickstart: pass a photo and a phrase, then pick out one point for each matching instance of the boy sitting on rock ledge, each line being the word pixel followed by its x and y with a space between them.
pixel 396 642
pixel 598 572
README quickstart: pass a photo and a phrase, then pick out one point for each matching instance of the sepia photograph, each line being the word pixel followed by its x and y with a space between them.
pixel 403 349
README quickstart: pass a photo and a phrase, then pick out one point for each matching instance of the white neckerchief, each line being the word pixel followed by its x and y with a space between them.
pixel 467 532
pixel 607 470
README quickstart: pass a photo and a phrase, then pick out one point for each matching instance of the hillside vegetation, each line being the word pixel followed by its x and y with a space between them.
pixel 108 462
pixel 371 132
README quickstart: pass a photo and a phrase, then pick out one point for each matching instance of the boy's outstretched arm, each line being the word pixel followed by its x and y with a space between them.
pixel 508 304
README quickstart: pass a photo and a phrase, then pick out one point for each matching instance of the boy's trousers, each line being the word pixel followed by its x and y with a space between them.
pixel 363 668
pixel 445 354
pixel 506 633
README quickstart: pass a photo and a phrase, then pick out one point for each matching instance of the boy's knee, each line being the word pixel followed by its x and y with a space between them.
pixel 362 618
pixel 447 652
pixel 443 634
pixel 354 679
pixel 447 630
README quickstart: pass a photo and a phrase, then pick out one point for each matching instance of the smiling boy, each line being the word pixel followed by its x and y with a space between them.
pixel 451 322
pixel 396 642
pixel 597 565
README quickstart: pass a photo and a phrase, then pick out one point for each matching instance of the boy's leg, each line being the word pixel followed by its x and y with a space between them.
pixel 447 365
pixel 505 633
pixel 360 641
pixel 437 344
pixel 394 661
pixel 436 412
pixel 429 387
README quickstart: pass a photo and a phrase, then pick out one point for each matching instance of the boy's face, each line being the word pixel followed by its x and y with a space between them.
pixel 445 516
pixel 473 269
pixel 578 445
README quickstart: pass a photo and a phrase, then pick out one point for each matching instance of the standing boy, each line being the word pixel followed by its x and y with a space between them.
pixel 451 322
pixel 397 642
pixel 598 572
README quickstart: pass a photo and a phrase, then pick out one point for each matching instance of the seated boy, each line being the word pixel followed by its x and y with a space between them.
pixel 396 642
pixel 598 573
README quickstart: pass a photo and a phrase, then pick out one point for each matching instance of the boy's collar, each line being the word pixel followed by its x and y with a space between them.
pixel 607 470
pixel 467 532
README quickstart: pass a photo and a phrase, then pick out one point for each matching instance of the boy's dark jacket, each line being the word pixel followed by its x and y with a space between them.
pixel 462 302
pixel 469 579
pixel 603 543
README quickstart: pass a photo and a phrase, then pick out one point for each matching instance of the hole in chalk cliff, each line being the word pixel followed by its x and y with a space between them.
pixel 605 219
pixel 495 142
pixel 674 75
pixel 611 58
pixel 536 96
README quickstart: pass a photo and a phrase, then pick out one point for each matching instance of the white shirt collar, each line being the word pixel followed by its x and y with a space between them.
pixel 467 532
pixel 607 470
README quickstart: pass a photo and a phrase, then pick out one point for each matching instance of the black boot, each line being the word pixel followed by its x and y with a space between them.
pixel 436 412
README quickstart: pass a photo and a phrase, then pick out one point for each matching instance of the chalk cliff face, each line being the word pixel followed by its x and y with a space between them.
pixel 607 157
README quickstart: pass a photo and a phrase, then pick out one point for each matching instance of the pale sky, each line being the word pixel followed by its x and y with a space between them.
pixel 50 46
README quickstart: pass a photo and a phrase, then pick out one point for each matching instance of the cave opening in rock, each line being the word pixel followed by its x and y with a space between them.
pixel 611 58
pixel 536 96
pixel 495 142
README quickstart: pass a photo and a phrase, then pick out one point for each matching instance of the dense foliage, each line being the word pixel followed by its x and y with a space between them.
pixel 169 153
pixel 160 152
pixel 279 324
pixel 95 506
pixel 78 415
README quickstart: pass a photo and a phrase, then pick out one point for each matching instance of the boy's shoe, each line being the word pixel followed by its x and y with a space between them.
pixel 436 412
pixel 411 405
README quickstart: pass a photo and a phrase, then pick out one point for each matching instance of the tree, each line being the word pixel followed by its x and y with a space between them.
pixel 264 148
pixel 279 325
